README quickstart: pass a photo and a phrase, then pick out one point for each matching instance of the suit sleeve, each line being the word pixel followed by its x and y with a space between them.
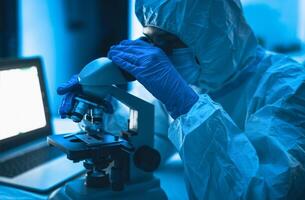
pixel 264 161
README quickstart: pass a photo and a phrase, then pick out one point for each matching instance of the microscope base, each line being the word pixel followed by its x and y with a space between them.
pixel 76 190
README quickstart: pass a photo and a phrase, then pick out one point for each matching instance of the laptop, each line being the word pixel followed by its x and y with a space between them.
pixel 26 160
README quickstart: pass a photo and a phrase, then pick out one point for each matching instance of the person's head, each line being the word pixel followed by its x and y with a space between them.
pixel 214 30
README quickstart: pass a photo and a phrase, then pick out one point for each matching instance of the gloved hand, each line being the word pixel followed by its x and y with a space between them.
pixel 152 68
pixel 69 89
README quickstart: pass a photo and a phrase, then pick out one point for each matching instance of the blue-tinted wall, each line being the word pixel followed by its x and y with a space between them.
pixel 67 34
pixel 278 23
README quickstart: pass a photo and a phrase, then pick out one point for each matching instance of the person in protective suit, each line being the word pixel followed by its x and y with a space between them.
pixel 238 110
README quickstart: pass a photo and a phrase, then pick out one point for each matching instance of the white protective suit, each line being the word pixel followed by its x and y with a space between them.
pixel 245 137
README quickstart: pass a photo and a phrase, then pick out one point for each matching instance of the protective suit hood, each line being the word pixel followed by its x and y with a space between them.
pixel 215 30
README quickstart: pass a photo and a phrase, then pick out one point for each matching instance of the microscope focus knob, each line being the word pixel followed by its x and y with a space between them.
pixel 147 158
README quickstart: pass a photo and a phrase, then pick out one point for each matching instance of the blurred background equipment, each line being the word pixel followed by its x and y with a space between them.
pixel 9 30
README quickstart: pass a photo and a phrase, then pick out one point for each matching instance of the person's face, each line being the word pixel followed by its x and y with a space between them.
pixel 162 39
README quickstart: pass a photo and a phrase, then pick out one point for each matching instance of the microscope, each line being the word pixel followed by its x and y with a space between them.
pixel 117 166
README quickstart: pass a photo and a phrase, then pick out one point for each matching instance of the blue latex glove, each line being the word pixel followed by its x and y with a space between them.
pixel 153 69
pixel 69 89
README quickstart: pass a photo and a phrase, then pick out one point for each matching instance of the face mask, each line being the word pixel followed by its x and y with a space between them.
pixel 185 63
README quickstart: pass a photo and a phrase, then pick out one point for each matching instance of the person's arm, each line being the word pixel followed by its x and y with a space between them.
pixel 265 161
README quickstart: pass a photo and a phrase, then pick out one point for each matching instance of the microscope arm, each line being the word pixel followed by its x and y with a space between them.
pixel 98 80
pixel 143 112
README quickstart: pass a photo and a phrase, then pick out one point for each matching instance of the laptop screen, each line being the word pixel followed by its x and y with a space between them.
pixel 21 101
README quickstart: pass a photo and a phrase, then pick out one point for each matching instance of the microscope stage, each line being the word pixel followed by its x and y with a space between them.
pixel 81 146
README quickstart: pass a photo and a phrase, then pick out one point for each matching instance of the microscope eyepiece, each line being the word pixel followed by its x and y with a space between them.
pixel 79 111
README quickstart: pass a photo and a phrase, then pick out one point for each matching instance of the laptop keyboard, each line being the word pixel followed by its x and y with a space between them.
pixel 25 162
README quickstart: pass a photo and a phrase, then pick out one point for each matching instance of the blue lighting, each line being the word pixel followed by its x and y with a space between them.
pixel 135 27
